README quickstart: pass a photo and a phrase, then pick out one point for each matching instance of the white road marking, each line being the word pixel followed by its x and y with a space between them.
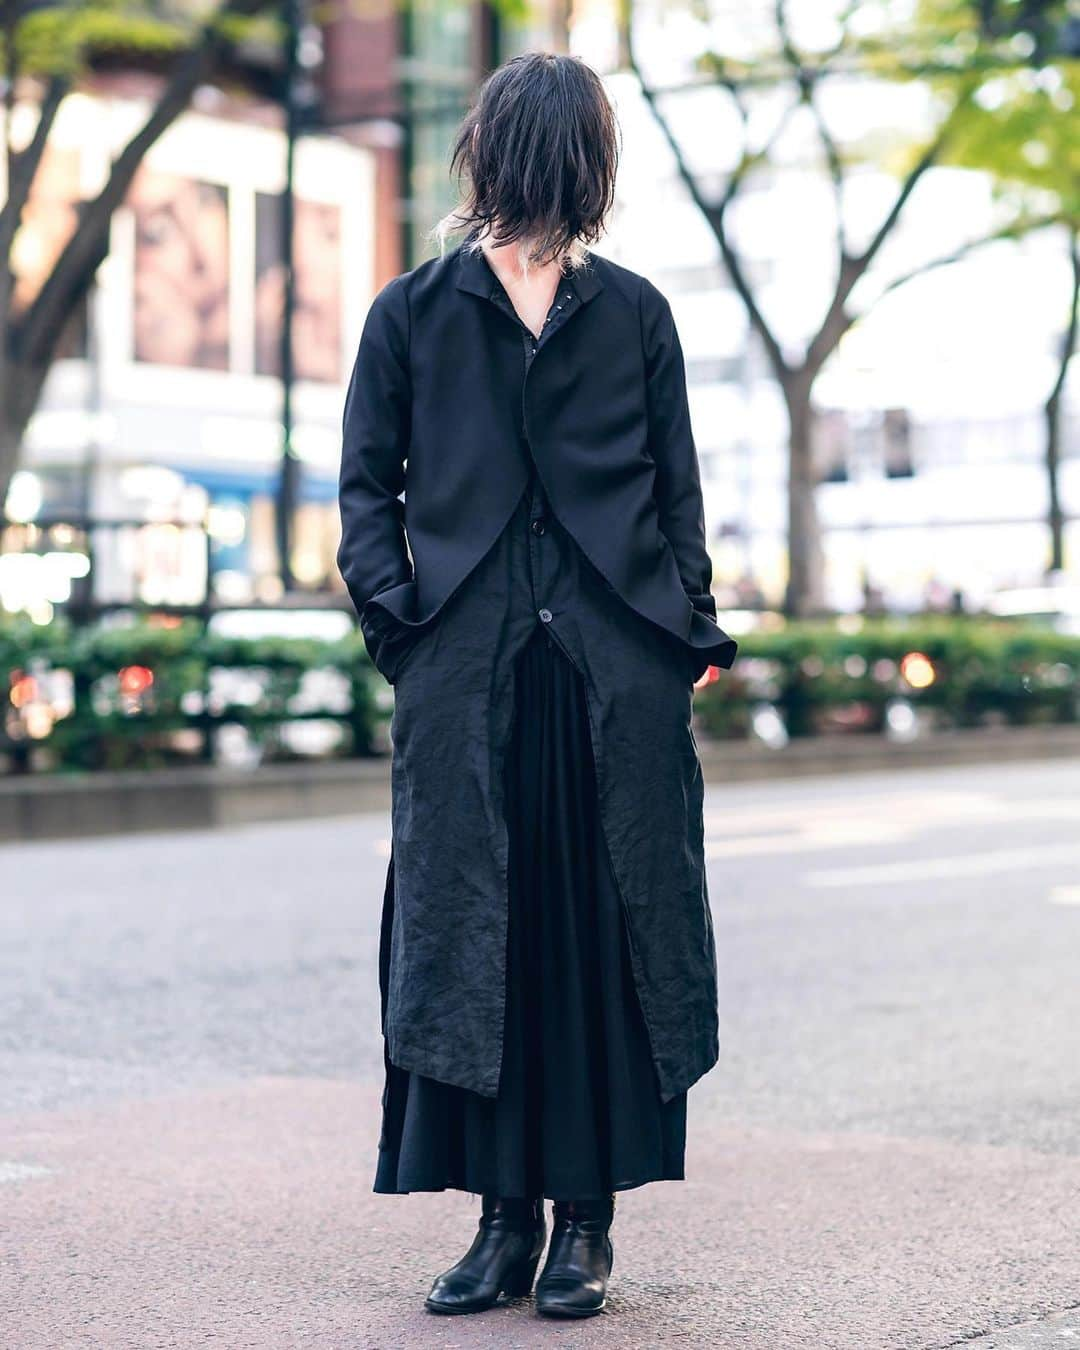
pixel 13 1171
pixel 835 834
pixel 1065 895
pixel 911 808
pixel 888 819
pixel 940 869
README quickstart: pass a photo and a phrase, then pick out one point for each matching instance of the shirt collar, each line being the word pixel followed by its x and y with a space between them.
pixel 476 275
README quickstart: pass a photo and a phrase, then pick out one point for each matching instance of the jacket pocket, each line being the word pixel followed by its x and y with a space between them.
pixel 686 658
pixel 407 640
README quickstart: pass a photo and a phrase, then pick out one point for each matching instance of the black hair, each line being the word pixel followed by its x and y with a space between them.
pixel 540 148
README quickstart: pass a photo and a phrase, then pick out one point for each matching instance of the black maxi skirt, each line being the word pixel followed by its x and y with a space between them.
pixel 578 1111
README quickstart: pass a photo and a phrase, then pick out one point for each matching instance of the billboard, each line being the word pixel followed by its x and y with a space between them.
pixel 317 328
pixel 181 271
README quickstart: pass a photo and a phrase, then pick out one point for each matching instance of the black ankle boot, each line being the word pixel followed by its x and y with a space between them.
pixel 502 1259
pixel 573 1282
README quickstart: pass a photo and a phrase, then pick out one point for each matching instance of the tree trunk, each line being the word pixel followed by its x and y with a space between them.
pixel 1052 413
pixel 20 388
pixel 10 435
pixel 1055 514
pixel 806 563
pixel 10 443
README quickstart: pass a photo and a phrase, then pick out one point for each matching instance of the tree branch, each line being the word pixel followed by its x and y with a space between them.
pixel 24 164
pixel 1015 230
pixel 715 213
pixel 806 82
pixel 1072 329
pixel 925 161
pixel 11 76
pixel 84 252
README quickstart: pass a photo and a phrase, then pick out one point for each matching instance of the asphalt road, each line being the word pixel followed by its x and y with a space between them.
pixel 886 1158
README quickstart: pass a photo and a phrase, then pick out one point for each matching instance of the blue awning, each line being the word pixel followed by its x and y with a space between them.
pixel 256 482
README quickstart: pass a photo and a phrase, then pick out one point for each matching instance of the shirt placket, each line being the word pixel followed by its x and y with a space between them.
pixel 542 552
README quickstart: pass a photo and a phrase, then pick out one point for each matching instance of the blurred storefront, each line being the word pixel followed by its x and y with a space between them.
pixel 150 471
pixel 163 419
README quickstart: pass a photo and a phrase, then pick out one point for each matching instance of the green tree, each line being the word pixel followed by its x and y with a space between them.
pixel 949 48
pixel 46 49
pixel 1024 130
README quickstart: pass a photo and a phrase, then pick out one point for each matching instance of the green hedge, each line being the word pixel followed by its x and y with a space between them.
pixel 822 677
pixel 175 716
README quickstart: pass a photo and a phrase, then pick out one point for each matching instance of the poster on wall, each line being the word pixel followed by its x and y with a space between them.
pixel 181 271
pixel 317 322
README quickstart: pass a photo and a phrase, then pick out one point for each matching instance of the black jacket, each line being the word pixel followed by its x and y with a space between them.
pixel 437 410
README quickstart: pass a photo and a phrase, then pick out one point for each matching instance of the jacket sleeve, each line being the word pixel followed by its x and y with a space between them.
pixel 671 445
pixel 373 556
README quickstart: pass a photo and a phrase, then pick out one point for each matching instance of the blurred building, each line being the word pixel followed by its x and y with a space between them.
pixel 161 425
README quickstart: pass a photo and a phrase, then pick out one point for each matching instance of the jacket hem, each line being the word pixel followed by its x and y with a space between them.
pixel 415 1059
pixel 406 614
pixel 674 1085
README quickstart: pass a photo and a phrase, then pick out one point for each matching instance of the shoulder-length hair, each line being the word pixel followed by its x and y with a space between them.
pixel 539 149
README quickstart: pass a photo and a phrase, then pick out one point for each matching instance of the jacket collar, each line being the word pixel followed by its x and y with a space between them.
pixel 474 274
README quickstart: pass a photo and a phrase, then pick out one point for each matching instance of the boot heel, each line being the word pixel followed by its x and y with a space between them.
pixel 519 1282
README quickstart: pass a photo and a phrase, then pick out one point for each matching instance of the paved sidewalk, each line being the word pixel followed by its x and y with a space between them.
pixel 887 1156
pixel 242 1217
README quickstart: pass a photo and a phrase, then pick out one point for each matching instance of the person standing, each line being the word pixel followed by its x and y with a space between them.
pixel 523 539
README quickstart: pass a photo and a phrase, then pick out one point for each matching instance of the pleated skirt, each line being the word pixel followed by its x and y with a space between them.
pixel 578 1111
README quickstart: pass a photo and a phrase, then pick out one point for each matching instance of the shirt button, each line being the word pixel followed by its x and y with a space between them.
pixel 538 525
pixel 545 616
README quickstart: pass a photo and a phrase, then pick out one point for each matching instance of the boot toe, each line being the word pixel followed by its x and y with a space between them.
pixel 570 1298
pixel 445 1298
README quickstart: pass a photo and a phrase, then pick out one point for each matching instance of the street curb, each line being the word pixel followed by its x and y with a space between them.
pixel 62 806
pixel 747 762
